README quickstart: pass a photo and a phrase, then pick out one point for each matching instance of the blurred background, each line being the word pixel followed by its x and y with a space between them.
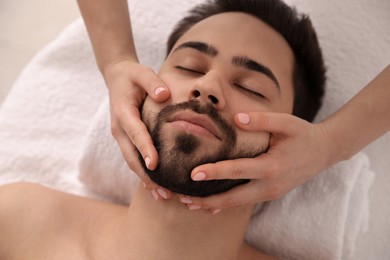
pixel 25 28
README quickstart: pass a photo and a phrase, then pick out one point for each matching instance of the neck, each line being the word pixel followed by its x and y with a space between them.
pixel 169 230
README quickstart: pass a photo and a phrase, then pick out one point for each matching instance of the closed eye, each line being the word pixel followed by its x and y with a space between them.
pixel 249 91
pixel 189 70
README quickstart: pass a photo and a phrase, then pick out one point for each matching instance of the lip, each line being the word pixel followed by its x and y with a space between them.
pixel 197 120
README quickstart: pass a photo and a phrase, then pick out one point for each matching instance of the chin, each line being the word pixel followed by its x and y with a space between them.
pixel 176 162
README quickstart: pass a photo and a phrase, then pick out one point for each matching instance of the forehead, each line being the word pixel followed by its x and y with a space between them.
pixel 235 33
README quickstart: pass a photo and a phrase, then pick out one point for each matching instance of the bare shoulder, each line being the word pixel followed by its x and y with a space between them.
pixel 23 209
pixel 22 204
pixel 33 203
pixel 19 200
pixel 248 253
pixel 31 213
pixel 16 201
pixel 14 192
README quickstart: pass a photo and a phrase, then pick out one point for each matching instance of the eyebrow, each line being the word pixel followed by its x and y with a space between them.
pixel 240 61
pixel 247 63
pixel 202 47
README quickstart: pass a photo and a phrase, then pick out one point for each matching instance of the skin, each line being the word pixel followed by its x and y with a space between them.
pixel 40 223
pixel 296 144
pixel 232 85
pixel 128 82
pixel 219 76
pixel 298 150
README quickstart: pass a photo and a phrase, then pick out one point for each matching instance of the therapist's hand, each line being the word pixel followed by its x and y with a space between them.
pixel 128 83
pixel 298 151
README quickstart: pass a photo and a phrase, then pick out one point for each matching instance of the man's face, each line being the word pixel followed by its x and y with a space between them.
pixel 224 65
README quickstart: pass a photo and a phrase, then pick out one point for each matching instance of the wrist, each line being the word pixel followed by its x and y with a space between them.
pixel 325 147
pixel 335 149
pixel 114 64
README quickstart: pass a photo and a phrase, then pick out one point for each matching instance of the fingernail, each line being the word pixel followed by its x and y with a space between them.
pixel 243 118
pixel 159 90
pixel 216 211
pixel 155 195
pixel 147 162
pixel 162 193
pixel 199 176
pixel 186 200
pixel 194 207
pixel 144 185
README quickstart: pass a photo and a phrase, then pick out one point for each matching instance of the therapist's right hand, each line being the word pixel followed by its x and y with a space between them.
pixel 128 84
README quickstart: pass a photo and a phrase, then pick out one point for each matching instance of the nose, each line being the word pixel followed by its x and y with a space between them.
pixel 208 90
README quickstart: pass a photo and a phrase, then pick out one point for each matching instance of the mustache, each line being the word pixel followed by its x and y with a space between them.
pixel 208 110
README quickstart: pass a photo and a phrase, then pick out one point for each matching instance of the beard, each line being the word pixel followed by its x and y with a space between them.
pixel 177 160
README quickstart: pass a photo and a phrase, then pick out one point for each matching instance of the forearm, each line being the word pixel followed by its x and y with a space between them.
pixel 109 29
pixel 362 120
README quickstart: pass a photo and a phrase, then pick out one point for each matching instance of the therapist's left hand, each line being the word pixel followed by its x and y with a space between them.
pixel 298 151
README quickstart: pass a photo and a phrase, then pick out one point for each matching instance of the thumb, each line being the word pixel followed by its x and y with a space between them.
pixel 153 85
pixel 269 122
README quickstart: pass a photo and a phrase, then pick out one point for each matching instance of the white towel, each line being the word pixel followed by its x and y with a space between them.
pixel 102 167
pixel 319 220
pixel 45 116
pixel 47 113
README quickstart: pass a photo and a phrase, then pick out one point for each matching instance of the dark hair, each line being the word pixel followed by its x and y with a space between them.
pixel 309 69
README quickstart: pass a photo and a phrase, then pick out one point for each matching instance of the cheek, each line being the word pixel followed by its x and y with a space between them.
pixel 178 86
pixel 287 102
pixel 252 142
pixel 150 109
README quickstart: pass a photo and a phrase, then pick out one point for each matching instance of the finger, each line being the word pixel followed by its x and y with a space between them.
pixel 130 154
pixel 139 136
pixel 269 122
pixel 247 194
pixel 242 195
pixel 160 193
pixel 153 85
pixel 261 167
